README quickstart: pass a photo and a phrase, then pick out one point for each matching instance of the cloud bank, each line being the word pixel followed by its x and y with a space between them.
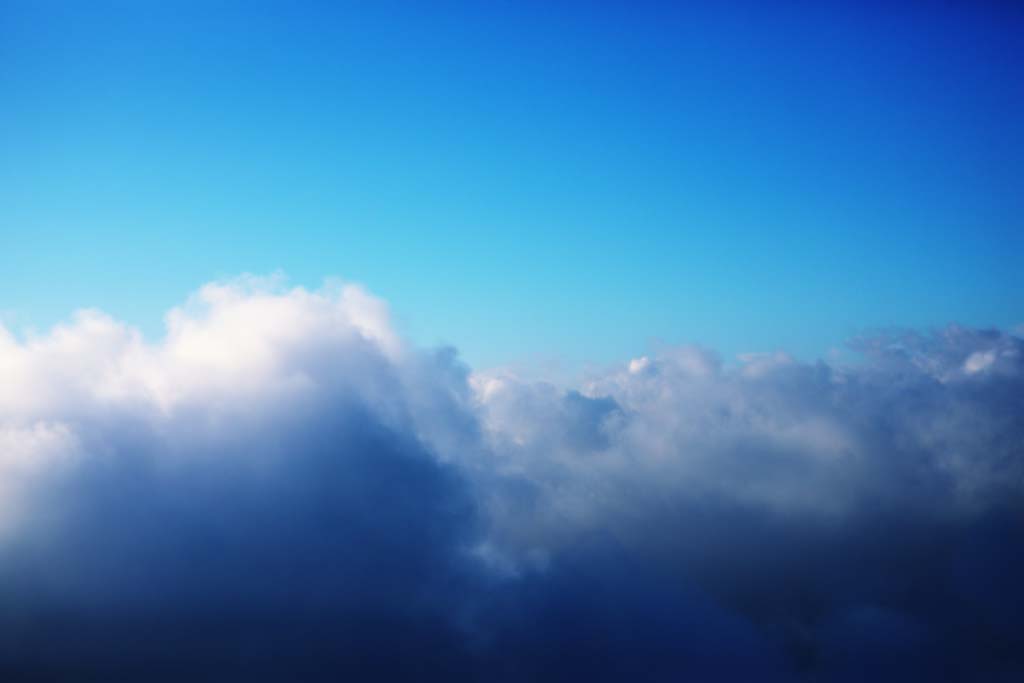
pixel 284 489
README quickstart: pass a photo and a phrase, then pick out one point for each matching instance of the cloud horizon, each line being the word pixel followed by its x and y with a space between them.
pixel 284 486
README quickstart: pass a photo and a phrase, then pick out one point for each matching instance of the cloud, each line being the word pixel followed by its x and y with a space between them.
pixel 284 488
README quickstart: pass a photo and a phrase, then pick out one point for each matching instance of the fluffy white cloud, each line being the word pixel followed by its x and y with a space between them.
pixel 281 461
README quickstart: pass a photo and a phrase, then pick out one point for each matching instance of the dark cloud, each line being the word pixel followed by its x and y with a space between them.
pixel 282 489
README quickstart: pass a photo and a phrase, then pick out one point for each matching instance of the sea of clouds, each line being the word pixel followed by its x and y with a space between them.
pixel 282 488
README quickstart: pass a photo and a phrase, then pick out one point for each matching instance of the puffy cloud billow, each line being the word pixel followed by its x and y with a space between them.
pixel 284 489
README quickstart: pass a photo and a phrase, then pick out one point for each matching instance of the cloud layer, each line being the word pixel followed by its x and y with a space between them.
pixel 282 488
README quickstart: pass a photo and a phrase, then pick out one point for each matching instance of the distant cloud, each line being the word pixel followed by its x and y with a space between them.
pixel 282 488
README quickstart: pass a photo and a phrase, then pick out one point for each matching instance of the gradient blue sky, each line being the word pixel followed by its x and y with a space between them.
pixel 520 179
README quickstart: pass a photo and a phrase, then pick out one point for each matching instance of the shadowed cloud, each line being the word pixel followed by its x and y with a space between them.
pixel 282 488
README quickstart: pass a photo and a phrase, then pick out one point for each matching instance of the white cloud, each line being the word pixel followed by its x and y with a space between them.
pixel 979 361
pixel 294 431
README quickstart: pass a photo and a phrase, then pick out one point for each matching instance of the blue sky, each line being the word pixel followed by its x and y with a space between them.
pixel 283 487
pixel 518 179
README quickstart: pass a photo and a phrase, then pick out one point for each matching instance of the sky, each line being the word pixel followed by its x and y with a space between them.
pixel 511 341
pixel 514 176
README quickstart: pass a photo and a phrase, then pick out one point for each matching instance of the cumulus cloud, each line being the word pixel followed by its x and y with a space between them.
pixel 282 488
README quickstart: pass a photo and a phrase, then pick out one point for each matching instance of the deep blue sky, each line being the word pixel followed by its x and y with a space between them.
pixel 518 179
